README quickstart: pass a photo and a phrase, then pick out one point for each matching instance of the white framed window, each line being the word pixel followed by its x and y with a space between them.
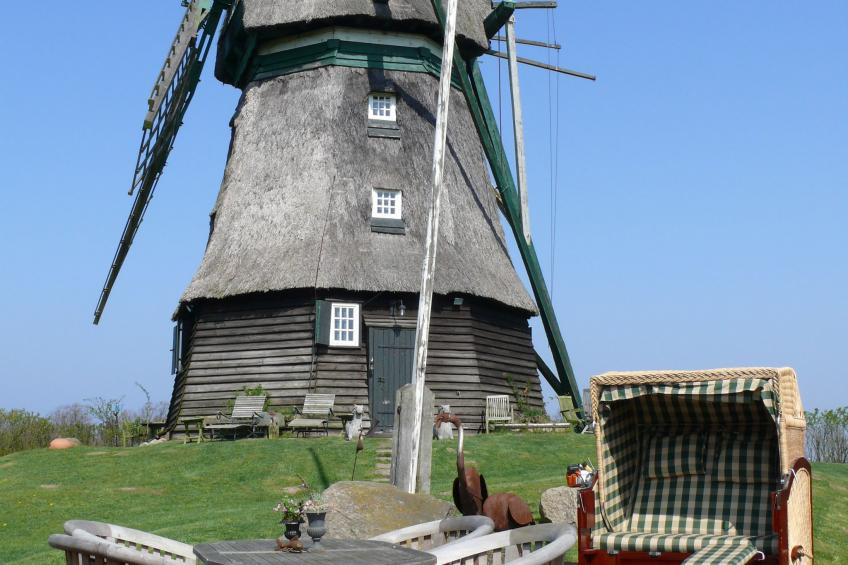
pixel 344 325
pixel 382 107
pixel 386 203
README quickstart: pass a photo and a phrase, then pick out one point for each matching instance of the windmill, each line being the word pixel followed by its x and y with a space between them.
pixel 312 268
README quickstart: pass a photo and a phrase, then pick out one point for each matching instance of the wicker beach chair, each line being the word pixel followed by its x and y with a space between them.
pixel 542 544
pixel 700 467
pixel 439 533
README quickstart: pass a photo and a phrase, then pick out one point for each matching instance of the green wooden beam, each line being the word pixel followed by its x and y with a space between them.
pixel 483 115
pixel 499 16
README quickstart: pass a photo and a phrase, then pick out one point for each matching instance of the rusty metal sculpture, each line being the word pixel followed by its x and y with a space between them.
pixel 471 496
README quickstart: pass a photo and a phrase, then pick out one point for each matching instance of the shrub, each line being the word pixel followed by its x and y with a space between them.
pixel 73 421
pixel 827 435
pixel 20 430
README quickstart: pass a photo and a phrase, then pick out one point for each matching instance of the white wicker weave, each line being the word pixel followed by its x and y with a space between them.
pixel 542 544
pixel 439 533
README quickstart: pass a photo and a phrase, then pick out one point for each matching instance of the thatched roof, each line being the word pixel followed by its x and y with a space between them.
pixel 295 205
pixel 272 17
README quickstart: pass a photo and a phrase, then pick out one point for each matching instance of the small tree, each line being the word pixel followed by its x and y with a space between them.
pixel 107 412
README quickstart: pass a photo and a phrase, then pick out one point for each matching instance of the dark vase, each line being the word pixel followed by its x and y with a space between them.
pixel 292 530
pixel 316 528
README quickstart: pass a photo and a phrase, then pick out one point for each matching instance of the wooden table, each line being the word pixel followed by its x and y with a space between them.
pixel 195 422
pixel 352 552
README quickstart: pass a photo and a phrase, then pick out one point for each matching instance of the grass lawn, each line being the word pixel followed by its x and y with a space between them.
pixel 225 490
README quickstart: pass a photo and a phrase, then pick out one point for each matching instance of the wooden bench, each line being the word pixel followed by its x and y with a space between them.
pixel 498 410
pixel 246 411
pixel 315 414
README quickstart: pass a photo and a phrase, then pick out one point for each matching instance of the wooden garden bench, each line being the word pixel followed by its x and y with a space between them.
pixel 498 410
pixel 315 414
pixel 246 412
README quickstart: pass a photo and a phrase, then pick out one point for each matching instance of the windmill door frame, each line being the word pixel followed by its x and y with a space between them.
pixel 390 358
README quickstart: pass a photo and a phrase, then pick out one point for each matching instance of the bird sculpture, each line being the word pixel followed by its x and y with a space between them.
pixel 471 496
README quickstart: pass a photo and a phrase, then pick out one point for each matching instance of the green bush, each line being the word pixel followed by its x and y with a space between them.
pixel 21 430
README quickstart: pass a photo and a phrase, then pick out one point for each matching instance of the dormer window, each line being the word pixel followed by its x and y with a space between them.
pixel 382 107
pixel 382 115
pixel 386 204
pixel 387 211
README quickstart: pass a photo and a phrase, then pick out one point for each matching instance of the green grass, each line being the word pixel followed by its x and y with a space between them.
pixel 225 490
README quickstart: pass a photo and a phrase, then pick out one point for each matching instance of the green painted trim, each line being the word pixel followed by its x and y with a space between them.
pixel 480 107
pixel 345 54
pixel 498 18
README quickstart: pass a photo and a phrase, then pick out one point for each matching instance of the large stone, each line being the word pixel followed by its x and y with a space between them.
pixel 64 443
pixel 361 510
pixel 560 504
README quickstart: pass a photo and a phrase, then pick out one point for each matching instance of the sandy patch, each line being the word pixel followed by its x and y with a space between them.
pixel 98 453
pixel 7 465
pixel 141 490
pixel 50 486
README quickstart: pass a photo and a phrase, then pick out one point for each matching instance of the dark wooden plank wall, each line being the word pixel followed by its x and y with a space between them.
pixel 269 341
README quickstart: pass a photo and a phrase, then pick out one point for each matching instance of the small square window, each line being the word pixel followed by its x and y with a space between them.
pixel 386 204
pixel 382 107
pixel 344 327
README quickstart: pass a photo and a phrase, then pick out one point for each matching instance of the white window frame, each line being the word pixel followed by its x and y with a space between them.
pixel 354 320
pixel 376 212
pixel 391 116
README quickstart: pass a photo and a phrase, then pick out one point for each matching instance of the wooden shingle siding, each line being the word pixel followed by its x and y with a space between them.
pixel 269 341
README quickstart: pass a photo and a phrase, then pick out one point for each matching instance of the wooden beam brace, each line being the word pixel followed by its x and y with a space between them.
pixel 498 18
pixel 546 371
pixel 532 63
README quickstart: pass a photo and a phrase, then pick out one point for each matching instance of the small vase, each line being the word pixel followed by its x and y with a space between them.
pixel 292 530
pixel 316 528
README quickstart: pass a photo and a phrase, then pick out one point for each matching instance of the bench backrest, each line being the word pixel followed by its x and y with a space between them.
pixel 705 482
pixel 247 406
pixel 497 407
pixel 318 404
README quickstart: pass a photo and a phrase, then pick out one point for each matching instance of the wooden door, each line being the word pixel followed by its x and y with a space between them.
pixel 390 353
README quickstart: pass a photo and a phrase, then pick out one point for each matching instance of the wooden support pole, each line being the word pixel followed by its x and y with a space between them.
pixel 425 300
pixel 518 128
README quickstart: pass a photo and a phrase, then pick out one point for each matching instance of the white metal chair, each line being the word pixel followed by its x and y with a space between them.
pixel 146 548
pixel 498 409
pixel 542 544
pixel 439 533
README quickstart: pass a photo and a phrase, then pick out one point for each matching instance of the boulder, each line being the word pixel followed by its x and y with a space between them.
pixel 64 443
pixel 361 510
pixel 559 505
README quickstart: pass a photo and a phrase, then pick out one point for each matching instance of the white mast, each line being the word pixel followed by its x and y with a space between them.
pixel 425 301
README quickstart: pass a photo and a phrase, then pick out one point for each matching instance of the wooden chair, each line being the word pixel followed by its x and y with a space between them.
pixel 542 544
pixel 246 413
pixel 571 414
pixel 498 409
pixel 439 533
pixel 96 542
pixel 315 414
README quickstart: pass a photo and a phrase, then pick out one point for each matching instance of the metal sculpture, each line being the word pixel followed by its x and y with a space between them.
pixel 471 495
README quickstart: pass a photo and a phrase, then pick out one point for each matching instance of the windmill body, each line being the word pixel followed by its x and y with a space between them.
pixel 310 276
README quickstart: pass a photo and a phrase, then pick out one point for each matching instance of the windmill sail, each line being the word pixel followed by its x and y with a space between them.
pixel 172 92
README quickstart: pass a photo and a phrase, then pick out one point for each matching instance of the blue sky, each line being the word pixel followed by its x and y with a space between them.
pixel 700 197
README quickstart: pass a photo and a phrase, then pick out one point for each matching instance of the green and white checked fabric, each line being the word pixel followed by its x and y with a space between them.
pixel 681 496
pixel 729 389
pixel 746 458
pixel 677 543
pixel 675 455
pixel 723 554
pixel 701 505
